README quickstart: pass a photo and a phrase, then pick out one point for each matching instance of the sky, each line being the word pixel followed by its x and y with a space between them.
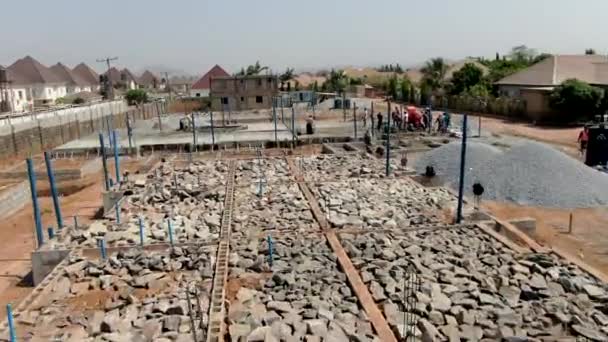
pixel 193 35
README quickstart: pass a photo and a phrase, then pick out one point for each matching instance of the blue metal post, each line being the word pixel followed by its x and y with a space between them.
pixel 37 218
pixel 116 159
pixel 270 250
pixel 117 209
pixel 51 232
pixel 141 231
pixel 51 176
pixel 463 154
pixel 170 227
pixel 102 246
pixel 11 323
pixel 388 139
pixel 129 132
pixel 212 132
pixel 104 162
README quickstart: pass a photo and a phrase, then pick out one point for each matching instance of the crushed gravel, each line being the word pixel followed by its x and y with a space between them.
pixel 530 174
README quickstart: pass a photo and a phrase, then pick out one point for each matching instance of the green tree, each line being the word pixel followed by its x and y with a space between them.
pixel 575 99
pixel 590 52
pixel 297 85
pixel 286 77
pixel 337 81
pixel 434 72
pixel 393 88
pixel 254 69
pixel 136 96
pixel 468 76
pixel 479 91
pixel 406 89
pixel 315 86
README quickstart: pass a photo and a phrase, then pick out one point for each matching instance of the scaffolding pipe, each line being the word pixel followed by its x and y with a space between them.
pixel 51 176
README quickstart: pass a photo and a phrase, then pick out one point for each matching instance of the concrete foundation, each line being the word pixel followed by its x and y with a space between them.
pixel 44 261
pixel 526 225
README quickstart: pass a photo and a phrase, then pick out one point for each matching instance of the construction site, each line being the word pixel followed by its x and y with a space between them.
pixel 141 224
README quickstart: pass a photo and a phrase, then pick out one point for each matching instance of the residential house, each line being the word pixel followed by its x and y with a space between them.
pixel 13 98
pixel 121 79
pixel 535 83
pixel 201 87
pixel 148 80
pixel 88 75
pixel 43 85
pixel 180 85
pixel 129 79
pixel 74 83
pixel 243 92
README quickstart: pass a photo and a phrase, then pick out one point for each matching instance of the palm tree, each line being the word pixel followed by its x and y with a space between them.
pixel 255 69
pixel 434 72
pixel 286 77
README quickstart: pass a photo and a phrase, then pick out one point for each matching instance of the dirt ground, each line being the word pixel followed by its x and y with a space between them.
pixel 17 241
pixel 589 237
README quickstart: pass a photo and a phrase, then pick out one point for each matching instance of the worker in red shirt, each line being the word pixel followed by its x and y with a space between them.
pixel 583 139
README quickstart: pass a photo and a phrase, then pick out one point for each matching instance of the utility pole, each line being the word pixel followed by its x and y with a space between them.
pixel 109 85
pixel 168 85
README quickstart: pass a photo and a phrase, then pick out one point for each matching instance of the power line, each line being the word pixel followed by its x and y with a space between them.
pixel 109 85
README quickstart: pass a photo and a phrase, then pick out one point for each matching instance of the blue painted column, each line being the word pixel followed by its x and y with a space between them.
pixel 463 154
pixel 104 162
pixel 37 218
pixel 116 159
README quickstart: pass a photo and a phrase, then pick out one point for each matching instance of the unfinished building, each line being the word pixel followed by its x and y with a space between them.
pixel 233 93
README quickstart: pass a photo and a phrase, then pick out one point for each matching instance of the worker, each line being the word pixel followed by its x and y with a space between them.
pixel 439 122
pixel 446 121
pixel 365 114
pixel 583 139
pixel 379 121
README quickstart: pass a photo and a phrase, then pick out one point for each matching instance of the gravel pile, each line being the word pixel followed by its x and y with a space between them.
pixel 536 174
pixel 530 174
pixel 446 161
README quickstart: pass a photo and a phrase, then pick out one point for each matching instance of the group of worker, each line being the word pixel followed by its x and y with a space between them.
pixel 409 119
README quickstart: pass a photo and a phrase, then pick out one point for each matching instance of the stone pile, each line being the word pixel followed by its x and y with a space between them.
pixel 195 209
pixel 342 167
pixel 381 204
pixel 133 296
pixel 250 171
pixel 303 296
pixel 473 287
pixel 282 207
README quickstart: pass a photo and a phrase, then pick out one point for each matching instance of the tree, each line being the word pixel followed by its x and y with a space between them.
pixel 522 53
pixel 136 96
pixel 465 78
pixel 315 86
pixel 479 91
pixel 406 89
pixel 297 85
pixel 590 52
pixel 336 81
pixel 434 73
pixel 575 99
pixel 254 69
pixel 540 57
pixel 286 77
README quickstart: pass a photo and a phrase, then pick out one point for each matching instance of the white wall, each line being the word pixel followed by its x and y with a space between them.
pixel 48 92
pixel 18 98
pixel 199 92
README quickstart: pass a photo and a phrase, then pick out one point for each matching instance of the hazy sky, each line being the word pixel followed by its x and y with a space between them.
pixel 193 35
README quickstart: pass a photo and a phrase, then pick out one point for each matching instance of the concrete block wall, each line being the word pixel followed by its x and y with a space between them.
pixel 14 198
pixel 20 137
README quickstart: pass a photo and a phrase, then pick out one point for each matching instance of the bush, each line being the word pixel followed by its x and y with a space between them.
pixel 78 100
pixel 136 96
pixel 575 100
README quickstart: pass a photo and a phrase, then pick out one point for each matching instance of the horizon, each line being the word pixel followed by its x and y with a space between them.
pixel 234 34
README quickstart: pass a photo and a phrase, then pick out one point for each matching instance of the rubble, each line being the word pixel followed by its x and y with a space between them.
pixel 478 286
